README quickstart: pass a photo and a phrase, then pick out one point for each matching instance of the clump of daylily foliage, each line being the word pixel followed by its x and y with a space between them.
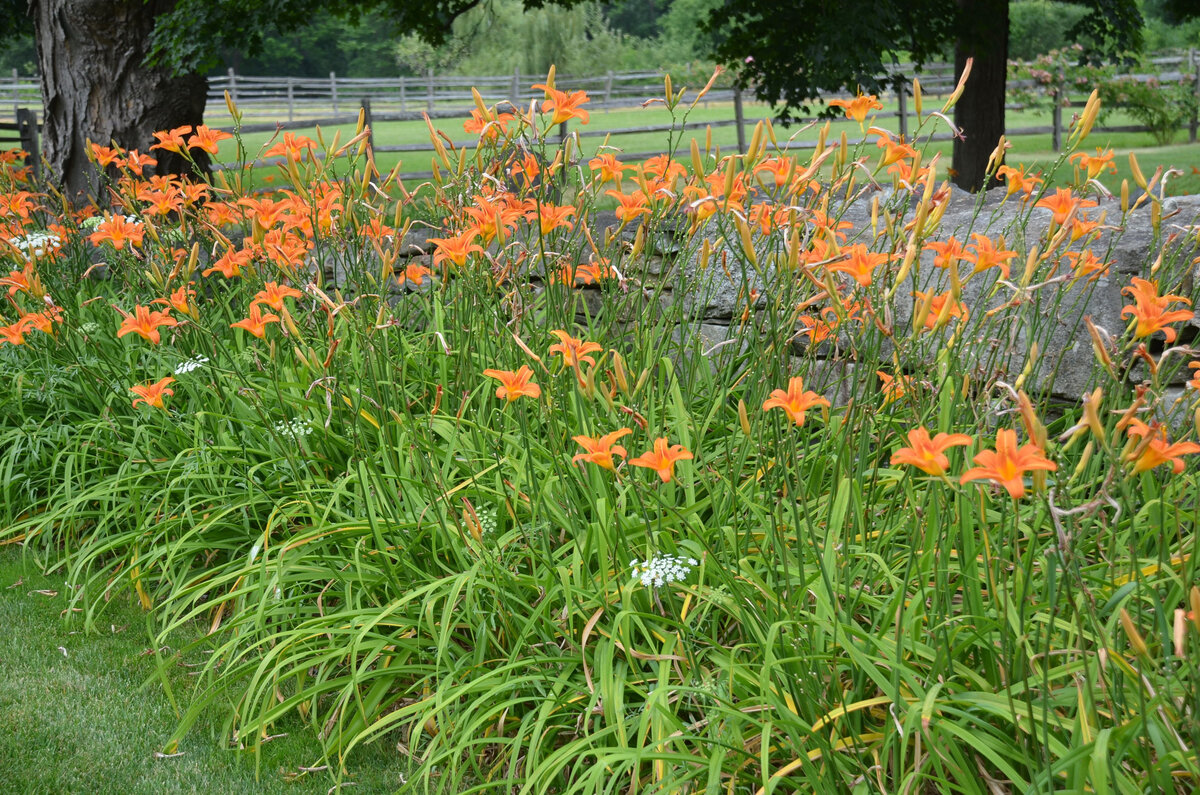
pixel 496 502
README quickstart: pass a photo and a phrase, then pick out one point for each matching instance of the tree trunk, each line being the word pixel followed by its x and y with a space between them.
pixel 97 87
pixel 983 35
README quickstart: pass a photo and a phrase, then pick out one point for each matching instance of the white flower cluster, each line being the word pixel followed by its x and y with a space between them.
pixel 36 243
pixel 662 570
pixel 293 428
pixel 187 366
pixel 487 520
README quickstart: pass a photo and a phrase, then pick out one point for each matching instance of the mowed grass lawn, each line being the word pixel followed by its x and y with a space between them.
pixel 87 712
pixel 1034 151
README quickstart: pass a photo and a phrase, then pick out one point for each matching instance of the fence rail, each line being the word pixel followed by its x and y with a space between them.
pixel 266 102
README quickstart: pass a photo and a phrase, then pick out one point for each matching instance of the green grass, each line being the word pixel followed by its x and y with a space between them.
pixel 85 712
pixel 1034 150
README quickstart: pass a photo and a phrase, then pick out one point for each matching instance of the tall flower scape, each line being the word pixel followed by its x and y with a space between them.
pixel 499 501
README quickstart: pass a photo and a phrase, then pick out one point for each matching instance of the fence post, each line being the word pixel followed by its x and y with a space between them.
pixel 291 94
pixel 232 85
pixel 514 89
pixel 28 130
pixel 403 94
pixel 902 109
pixel 429 89
pixel 1194 122
pixel 333 94
pixel 16 90
pixel 608 81
pixel 1056 119
pixel 740 118
pixel 366 112
pixel 562 133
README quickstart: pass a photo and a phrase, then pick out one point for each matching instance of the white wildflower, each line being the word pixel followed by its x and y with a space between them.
pixel 487 520
pixel 662 570
pixel 294 428
pixel 36 244
pixel 185 367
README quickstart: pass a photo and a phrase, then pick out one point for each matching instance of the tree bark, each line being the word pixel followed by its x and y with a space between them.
pixel 982 35
pixel 97 87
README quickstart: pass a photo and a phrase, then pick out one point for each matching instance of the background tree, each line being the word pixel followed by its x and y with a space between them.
pixel 793 52
pixel 117 70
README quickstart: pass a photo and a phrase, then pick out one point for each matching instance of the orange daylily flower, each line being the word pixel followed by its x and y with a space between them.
pixel 795 401
pixel 662 458
pixel 1150 309
pixel 939 315
pixel 42 321
pixel 413 273
pixel 1007 464
pixel 894 151
pixel 135 161
pixel 857 108
pixel 1155 450
pixel 146 322
pixel 487 128
pixel 629 206
pixel 929 455
pixel 103 155
pixel 1062 203
pixel 1194 381
pixel 609 168
pixel 860 263
pixel 171 140
pixel 179 300
pixel 152 394
pixel 207 139
pixel 601 451
pixel 273 294
pixel 551 217
pixel 19 281
pixel 592 272
pixel 14 333
pixel 988 255
pixel 894 387
pixel 564 105
pixel 292 147
pixel 1086 264
pixel 230 263
pixel 947 252
pixel 1017 180
pixel 778 168
pixel 515 385
pixel 1096 163
pixel 257 322
pixel 455 249
pixel 118 230
pixel 574 351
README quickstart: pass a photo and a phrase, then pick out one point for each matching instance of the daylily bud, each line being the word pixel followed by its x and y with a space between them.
pixel 1090 111
pixel 1135 638
pixel 743 417
pixel 619 373
pixel 1138 176
pixel 697 163
pixel 1083 461
pixel 1194 598
pixel 917 97
pixel 962 85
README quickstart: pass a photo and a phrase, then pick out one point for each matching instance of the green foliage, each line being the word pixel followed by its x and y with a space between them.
pixel 358 535
pixel 1165 105
pixel 500 35
pixel 326 44
pixel 1038 26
